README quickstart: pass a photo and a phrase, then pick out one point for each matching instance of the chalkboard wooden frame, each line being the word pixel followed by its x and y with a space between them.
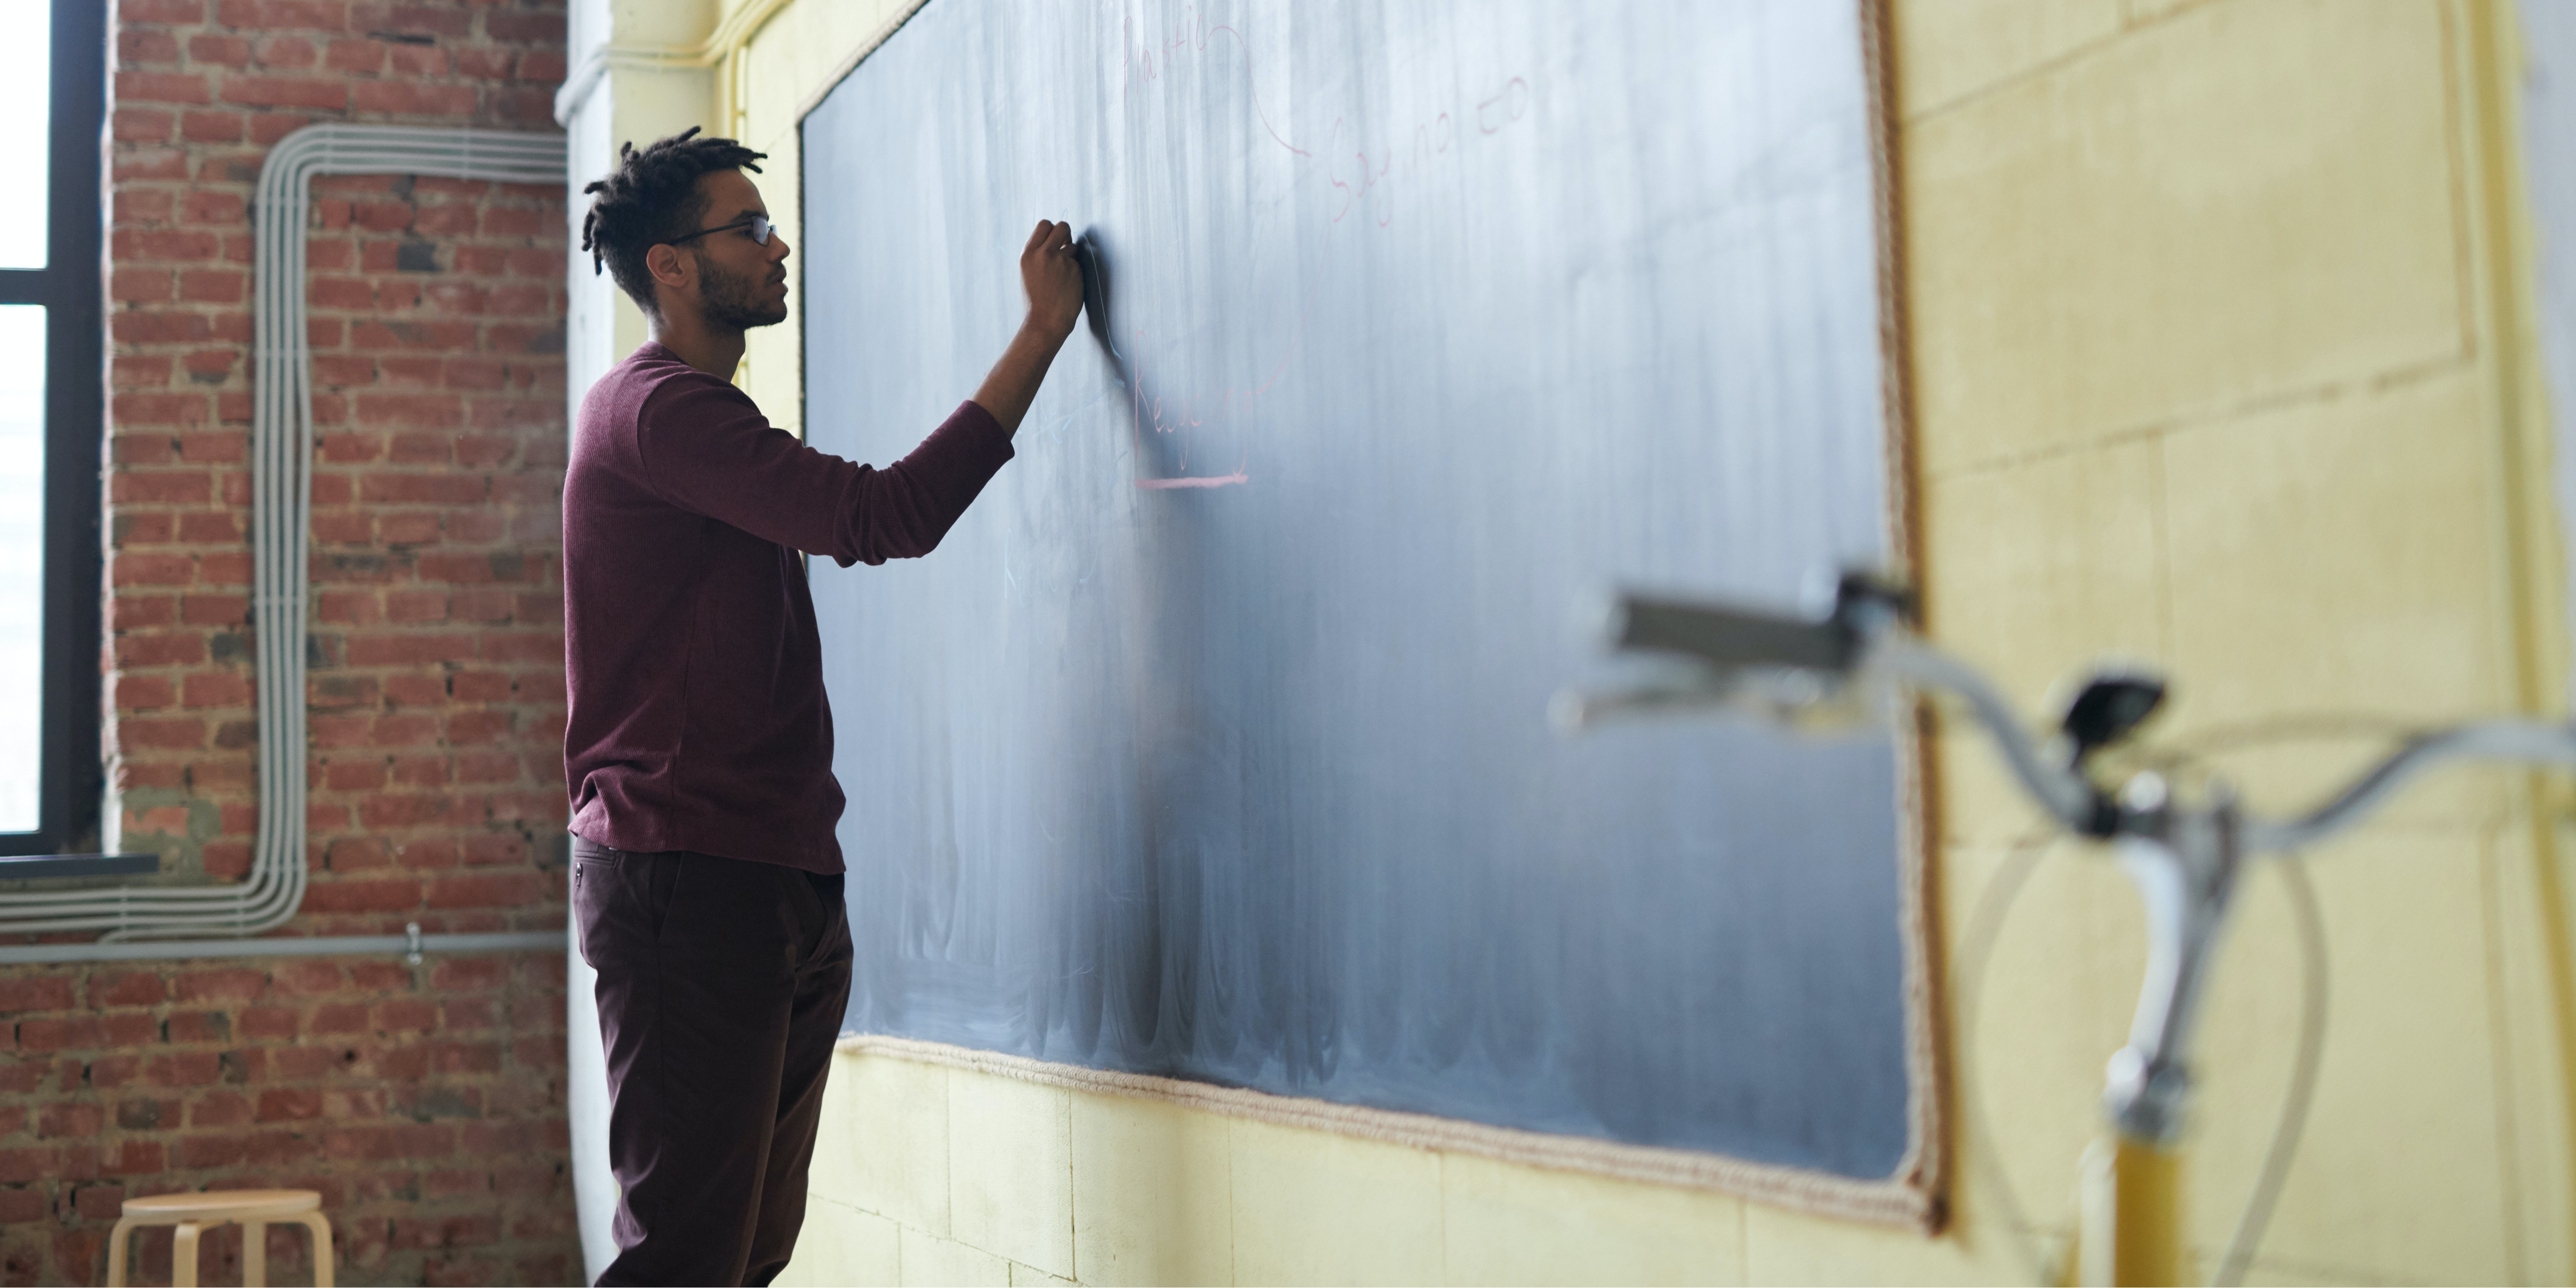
pixel 1916 1193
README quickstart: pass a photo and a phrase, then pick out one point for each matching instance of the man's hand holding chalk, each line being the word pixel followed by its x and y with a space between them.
pixel 1052 277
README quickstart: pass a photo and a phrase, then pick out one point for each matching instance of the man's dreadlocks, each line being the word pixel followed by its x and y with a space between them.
pixel 651 198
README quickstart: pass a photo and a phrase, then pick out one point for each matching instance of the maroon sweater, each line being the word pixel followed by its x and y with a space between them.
pixel 697 718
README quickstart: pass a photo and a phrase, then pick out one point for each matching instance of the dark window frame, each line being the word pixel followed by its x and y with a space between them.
pixel 71 287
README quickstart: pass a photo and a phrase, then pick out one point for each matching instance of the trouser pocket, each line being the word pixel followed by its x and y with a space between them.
pixel 620 900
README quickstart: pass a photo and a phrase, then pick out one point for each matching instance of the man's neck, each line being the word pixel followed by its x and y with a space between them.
pixel 716 353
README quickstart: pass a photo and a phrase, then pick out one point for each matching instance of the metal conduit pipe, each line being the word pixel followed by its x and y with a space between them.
pixel 281 515
pixel 412 945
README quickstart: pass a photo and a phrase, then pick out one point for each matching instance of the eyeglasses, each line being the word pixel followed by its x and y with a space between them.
pixel 757 225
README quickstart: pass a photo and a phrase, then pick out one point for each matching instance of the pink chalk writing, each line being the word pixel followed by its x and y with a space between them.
pixel 1504 108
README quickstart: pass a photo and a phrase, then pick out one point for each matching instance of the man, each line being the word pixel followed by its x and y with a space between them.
pixel 698 746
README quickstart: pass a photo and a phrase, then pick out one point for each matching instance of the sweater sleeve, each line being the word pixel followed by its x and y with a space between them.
pixel 705 448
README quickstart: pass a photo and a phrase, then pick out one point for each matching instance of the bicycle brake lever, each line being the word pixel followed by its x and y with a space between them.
pixel 1574 711
pixel 1797 699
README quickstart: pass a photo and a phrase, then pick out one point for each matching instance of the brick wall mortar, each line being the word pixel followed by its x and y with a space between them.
pixel 426 1102
pixel 423 1103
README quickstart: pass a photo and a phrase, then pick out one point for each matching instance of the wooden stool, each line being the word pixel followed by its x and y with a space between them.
pixel 192 1213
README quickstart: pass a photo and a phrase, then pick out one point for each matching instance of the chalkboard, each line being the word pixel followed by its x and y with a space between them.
pixel 1212 742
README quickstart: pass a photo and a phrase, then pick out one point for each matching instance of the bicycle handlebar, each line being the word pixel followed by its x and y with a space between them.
pixel 1852 647
pixel 2529 742
pixel 2061 791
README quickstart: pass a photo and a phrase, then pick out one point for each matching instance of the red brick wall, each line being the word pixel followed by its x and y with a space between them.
pixel 425 1102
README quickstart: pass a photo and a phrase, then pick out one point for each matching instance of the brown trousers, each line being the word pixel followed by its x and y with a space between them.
pixel 722 984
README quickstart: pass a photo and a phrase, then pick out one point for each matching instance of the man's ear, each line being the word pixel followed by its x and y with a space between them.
pixel 670 268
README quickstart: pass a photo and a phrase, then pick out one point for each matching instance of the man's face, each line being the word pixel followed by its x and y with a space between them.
pixel 741 283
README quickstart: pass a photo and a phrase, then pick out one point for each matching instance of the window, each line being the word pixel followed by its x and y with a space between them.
pixel 54 70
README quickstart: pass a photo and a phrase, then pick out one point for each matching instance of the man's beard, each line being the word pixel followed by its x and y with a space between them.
pixel 725 300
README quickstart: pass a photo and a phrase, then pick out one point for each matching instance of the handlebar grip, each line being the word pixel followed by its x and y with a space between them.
pixel 1729 637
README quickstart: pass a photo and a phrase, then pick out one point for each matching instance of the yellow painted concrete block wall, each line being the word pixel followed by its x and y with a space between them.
pixel 789 61
pixel 2221 364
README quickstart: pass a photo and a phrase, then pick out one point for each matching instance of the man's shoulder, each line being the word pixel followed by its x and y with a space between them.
pixel 605 426
pixel 642 383
pixel 653 379
pixel 637 375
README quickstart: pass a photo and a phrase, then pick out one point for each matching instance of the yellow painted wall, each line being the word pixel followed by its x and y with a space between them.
pixel 2222 363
